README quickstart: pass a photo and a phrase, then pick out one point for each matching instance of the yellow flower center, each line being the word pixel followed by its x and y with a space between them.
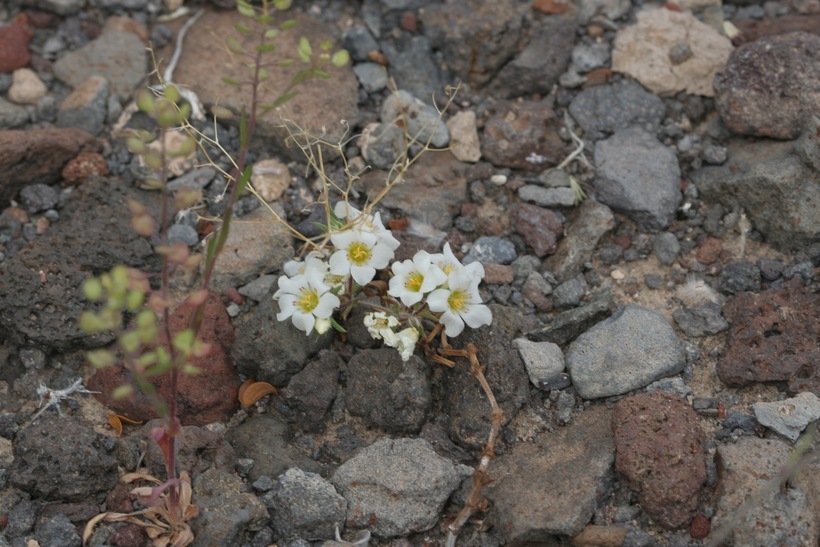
pixel 414 281
pixel 447 268
pixel 308 302
pixel 358 253
pixel 457 300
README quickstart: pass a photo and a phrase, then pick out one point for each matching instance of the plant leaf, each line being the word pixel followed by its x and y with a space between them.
pixel 252 393
pixel 340 58
pixel 304 50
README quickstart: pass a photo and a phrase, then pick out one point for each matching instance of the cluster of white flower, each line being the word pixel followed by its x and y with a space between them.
pixel 309 291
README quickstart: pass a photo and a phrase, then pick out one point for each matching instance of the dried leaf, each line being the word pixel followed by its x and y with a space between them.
pixel 254 392
pixel 116 421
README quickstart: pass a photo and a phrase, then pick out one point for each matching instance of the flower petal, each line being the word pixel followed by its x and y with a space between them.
pixel 287 305
pixel 304 321
pixel 362 274
pixel 339 265
pixel 477 316
pixel 437 300
pixel 453 324
pixel 327 304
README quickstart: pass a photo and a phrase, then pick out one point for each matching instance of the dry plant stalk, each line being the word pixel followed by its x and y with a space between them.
pixel 480 477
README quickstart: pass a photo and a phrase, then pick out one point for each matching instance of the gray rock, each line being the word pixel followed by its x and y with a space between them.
pixel 604 109
pixel 60 7
pixel 547 197
pixel 265 439
pixel 592 222
pixel 477 38
pixel 465 402
pixel 226 512
pixel 387 392
pixel 611 9
pixel 94 239
pixel 115 5
pixel 422 120
pixel 411 66
pixel 383 144
pixel 739 277
pixel 397 486
pixel 271 350
pixel 372 76
pixel 83 467
pixel 537 290
pixel 666 247
pixel 12 115
pixel 32 358
pixel 359 42
pixel 541 489
pixel 778 516
pixel 197 179
pixel 586 57
pixel 259 288
pixel 789 417
pixel 704 320
pixel 630 350
pixel 255 246
pixel 21 517
pixel 182 233
pixel 57 530
pixel 638 176
pixel 674 385
pixel 538 66
pixel 85 108
pixel 777 184
pixel 568 325
pixel 38 197
pixel 119 57
pixel 569 293
pixel 491 250
pixel 543 360
pixel 311 391
pixel 304 505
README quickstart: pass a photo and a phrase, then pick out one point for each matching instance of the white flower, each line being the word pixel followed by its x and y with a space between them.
pixel 297 267
pixel 306 298
pixel 415 278
pixel 448 263
pixel 366 223
pixel 359 254
pixel 460 303
pixel 406 342
pixel 379 324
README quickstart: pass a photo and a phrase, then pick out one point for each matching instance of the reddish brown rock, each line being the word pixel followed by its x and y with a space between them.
pixel 498 274
pixel 14 39
pixel 752 29
pixel 84 165
pixel 709 251
pixel 37 155
pixel 773 338
pixel 770 87
pixel 700 526
pixel 659 448
pixel 522 135
pixel 204 398
pixel 540 227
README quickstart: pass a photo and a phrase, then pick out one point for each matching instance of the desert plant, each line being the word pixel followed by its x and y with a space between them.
pixel 138 314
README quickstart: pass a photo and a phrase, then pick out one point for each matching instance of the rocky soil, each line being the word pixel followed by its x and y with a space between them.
pixel 654 349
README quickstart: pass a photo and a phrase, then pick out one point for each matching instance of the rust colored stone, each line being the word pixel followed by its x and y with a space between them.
pixel 84 165
pixel 43 19
pixel 14 39
pixel 498 274
pixel 522 135
pixel 659 447
pixel 700 527
pixel 709 251
pixel 409 22
pixel 540 227
pixel 753 29
pixel 773 337
pixel 204 398
pixel 37 155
